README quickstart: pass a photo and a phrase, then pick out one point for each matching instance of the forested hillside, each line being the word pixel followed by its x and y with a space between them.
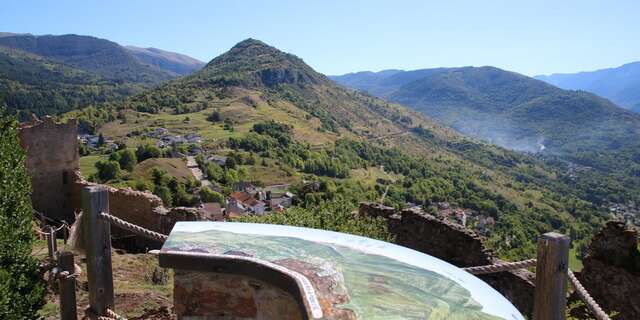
pixel 31 83
pixel 268 109
pixel 55 74
pixel 524 114
pixel 99 56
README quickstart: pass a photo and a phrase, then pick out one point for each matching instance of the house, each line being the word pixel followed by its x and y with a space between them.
pixel 157 133
pixel 193 138
pixel 240 200
pixel 213 211
pixel 177 139
pixel 284 202
pixel 220 160
pixel 234 209
pixel 239 196
pixel 255 206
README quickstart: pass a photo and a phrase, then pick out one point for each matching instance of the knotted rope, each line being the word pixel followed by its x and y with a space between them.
pixel 133 228
pixel 503 266
pixel 588 300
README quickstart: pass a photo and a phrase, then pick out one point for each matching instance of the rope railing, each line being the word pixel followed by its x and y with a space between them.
pixel 500 267
pixel 133 228
pixel 587 299
pixel 524 264
pixel 551 242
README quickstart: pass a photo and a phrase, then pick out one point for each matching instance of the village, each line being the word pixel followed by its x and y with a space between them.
pixel 239 199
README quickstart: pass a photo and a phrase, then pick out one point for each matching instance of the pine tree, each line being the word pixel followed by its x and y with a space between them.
pixel 21 287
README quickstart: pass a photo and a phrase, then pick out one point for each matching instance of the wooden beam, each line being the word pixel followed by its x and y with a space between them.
pixel 551 277
pixel 97 241
pixel 67 287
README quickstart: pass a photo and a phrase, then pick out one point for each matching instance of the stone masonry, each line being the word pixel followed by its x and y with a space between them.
pixel 611 270
pixel 53 164
pixel 52 158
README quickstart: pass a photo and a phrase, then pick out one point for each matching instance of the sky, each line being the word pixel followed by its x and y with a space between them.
pixel 336 37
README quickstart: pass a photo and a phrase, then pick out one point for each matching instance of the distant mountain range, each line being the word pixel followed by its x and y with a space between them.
pixel 52 74
pixel 620 85
pixel 176 63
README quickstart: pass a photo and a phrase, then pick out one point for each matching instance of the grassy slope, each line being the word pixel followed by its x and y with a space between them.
pixel 88 164
pixel 174 167
pixel 134 290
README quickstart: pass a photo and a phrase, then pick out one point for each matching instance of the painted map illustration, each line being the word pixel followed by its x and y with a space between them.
pixel 356 276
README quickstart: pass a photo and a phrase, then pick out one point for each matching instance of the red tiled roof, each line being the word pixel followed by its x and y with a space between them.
pixel 240 196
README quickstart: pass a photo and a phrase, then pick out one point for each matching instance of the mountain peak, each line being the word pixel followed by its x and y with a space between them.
pixel 253 63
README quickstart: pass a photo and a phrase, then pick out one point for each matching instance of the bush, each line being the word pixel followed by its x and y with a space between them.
pixel 149 151
pixel 108 170
pixel 165 194
pixel 208 195
pixel 214 117
pixel 128 159
pixel 21 288
pixel 334 216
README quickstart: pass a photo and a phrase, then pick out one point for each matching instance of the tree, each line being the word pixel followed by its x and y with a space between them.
pixel 208 195
pixel 128 159
pixel 148 151
pixel 335 216
pixel 101 140
pixel 165 194
pixel 108 170
pixel 214 117
pixel 21 288
pixel 214 171
pixel 230 163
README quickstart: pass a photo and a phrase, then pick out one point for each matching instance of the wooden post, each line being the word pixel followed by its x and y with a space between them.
pixel 67 287
pixel 551 277
pixel 51 243
pixel 97 241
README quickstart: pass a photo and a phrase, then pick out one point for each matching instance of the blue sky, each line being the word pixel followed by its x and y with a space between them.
pixel 335 37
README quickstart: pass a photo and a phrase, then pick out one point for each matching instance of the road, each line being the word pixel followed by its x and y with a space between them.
pixel 197 173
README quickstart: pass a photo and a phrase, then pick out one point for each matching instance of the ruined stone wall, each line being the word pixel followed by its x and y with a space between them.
pixel 53 165
pixel 455 244
pixel 611 271
pixel 140 208
pixel 52 158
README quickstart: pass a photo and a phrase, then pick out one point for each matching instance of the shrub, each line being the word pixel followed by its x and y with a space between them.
pixel 208 195
pixel 335 216
pixel 108 170
pixel 21 288
pixel 145 152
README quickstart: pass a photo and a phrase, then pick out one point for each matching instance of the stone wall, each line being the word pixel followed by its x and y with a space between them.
pixel 209 295
pixel 52 158
pixel 611 270
pixel 457 245
pixel 53 165
pixel 140 208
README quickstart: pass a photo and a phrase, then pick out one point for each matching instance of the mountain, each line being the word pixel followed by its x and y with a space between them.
pixel 275 114
pixel 620 85
pixel 516 112
pixel 55 74
pixel 176 63
pixel 102 57
pixel 31 83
